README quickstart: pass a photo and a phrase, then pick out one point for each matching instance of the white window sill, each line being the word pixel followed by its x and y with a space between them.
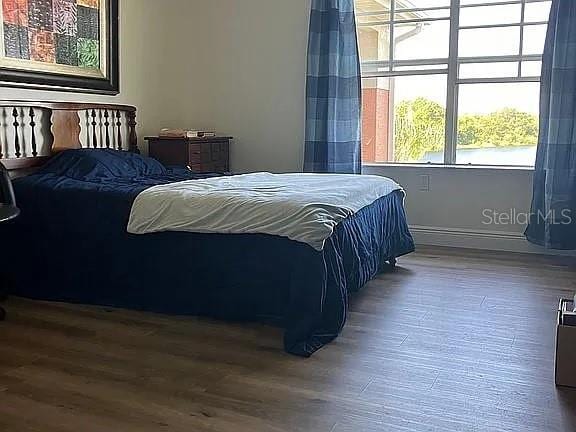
pixel 443 166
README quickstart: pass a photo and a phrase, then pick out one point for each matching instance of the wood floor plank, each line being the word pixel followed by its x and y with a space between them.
pixel 452 341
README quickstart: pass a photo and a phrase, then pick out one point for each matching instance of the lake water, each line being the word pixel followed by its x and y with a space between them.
pixel 514 155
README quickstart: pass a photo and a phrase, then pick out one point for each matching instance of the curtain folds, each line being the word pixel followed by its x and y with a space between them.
pixel 333 90
pixel 553 215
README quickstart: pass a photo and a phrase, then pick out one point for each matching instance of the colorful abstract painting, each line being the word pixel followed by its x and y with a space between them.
pixel 56 36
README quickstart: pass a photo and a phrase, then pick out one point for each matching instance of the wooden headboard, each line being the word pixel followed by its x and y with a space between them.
pixel 31 132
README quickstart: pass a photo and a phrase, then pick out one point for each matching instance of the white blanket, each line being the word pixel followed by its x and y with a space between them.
pixel 302 207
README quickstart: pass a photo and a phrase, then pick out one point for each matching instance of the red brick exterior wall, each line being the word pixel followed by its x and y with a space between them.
pixel 375 120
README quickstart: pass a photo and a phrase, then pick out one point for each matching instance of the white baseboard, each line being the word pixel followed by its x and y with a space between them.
pixel 479 239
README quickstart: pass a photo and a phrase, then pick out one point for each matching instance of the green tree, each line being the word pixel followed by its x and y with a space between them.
pixel 418 128
pixel 470 130
pixel 504 128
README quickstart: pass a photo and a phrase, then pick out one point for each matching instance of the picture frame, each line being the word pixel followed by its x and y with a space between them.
pixel 64 45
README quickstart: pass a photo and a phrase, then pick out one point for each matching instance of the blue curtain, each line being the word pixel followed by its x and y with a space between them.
pixel 333 90
pixel 553 216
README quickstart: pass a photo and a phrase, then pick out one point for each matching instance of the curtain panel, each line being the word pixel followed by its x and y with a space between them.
pixel 553 215
pixel 333 90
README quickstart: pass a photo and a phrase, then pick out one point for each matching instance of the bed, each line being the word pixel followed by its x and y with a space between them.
pixel 73 232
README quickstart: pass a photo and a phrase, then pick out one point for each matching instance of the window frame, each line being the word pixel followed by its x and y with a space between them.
pixel 452 63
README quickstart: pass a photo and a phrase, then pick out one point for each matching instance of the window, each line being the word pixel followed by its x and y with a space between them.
pixel 451 81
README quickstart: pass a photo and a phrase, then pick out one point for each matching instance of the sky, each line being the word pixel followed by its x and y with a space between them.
pixel 477 98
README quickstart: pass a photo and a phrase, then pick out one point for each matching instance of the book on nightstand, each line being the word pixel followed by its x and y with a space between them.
pixel 185 133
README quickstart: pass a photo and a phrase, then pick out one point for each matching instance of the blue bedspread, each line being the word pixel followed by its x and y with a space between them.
pixel 72 233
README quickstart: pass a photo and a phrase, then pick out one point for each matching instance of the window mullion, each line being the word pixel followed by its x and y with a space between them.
pixel 391 52
pixel 521 47
pixel 452 86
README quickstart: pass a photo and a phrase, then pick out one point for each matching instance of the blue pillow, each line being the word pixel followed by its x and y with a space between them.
pixel 102 164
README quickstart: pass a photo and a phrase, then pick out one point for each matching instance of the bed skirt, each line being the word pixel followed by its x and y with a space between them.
pixel 235 277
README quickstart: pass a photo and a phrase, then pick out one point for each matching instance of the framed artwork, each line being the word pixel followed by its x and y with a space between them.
pixel 60 44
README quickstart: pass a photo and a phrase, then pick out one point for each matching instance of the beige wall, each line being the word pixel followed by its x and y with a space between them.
pixel 253 79
pixel 457 197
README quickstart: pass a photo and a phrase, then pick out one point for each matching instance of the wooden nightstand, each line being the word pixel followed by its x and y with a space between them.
pixel 199 154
